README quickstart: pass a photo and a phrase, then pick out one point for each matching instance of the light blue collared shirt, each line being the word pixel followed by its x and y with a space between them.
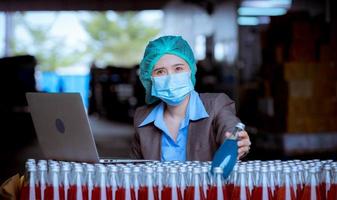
pixel 170 149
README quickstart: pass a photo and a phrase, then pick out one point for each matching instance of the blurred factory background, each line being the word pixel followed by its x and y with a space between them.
pixel 276 58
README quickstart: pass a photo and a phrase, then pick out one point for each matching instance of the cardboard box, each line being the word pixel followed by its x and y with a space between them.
pixel 327 54
pixel 296 125
pixel 311 124
pixel 304 107
pixel 300 88
pixel 303 51
pixel 326 71
pixel 300 70
pixel 304 30
pixel 324 88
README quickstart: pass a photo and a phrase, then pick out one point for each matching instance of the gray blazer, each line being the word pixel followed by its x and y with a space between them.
pixel 204 135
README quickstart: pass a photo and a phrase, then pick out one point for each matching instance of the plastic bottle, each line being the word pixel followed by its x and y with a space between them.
pixel 182 180
pixel 218 191
pixel 241 190
pixel 226 155
pixel 332 193
pixel 326 181
pixel 146 191
pixel 100 191
pixel 272 179
pixel 135 177
pixel 113 181
pixel 311 188
pixel 171 190
pixel 159 181
pixel 126 192
pixel 65 178
pixel 286 190
pixel 54 190
pixel 205 180
pixel 42 178
pixel 262 190
pixel 250 177
pixel 30 189
pixel 194 190
pixel 89 179
pixel 78 190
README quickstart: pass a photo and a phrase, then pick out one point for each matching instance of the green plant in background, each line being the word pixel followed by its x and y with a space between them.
pixel 51 52
pixel 118 40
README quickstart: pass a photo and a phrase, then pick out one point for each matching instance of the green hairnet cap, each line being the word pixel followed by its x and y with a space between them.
pixel 174 45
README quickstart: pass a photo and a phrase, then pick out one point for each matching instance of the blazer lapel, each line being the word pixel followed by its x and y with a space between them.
pixel 153 142
pixel 193 139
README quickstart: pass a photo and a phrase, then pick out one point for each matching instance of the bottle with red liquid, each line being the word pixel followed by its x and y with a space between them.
pixel 306 172
pixel 262 189
pixel 286 190
pixel 30 189
pixel 42 178
pixel 311 188
pixel 100 191
pixel 205 180
pixel 182 180
pixel 232 180
pixel 126 191
pixel 332 193
pixel 279 177
pixel 171 190
pixel 241 191
pixel 217 191
pixel 54 190
pixel 113 181
pixel 301 180
pixel 326 181
pixel 189 174
pixel 136 180
pixel 250 177
pixel 89 179
pixel 294 179
pixel 65 178
pixel 194 189
pixel 78 190
pixel 147 191
pixel 257 169
pixel 272 179
pixel 159 183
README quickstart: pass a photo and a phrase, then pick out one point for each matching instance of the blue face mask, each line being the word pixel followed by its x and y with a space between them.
pixel 172 89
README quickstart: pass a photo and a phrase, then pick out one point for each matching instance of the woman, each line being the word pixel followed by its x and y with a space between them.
pixel 178 123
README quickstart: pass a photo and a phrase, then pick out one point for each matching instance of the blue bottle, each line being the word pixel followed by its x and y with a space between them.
pixel 226 156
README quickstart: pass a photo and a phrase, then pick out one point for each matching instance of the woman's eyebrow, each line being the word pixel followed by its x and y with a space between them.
pixel 158 68
pixel 177 64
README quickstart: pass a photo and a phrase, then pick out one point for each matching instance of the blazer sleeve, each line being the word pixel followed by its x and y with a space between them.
pixel 225 117
pixel 136 152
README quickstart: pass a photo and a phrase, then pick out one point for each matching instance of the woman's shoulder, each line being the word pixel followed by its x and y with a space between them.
pixel 211 98
pixel 142 112
pixel 216 102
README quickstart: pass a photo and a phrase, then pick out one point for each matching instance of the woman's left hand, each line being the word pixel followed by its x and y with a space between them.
pixel 243 144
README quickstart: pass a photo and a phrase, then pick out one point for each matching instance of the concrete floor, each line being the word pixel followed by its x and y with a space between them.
pixel 112 140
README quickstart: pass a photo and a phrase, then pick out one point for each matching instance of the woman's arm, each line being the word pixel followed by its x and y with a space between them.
pixel 136 152
pixel 226 120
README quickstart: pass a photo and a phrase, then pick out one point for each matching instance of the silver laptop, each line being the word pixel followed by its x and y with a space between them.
pixel 63 128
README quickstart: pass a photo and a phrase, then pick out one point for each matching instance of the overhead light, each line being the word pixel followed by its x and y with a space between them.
pixel 248 21
pixel 250 11
pixel 264 20
pixel 267 3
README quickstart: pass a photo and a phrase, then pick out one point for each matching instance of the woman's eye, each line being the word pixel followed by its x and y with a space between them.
pixel 159 72
pixel 179 68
